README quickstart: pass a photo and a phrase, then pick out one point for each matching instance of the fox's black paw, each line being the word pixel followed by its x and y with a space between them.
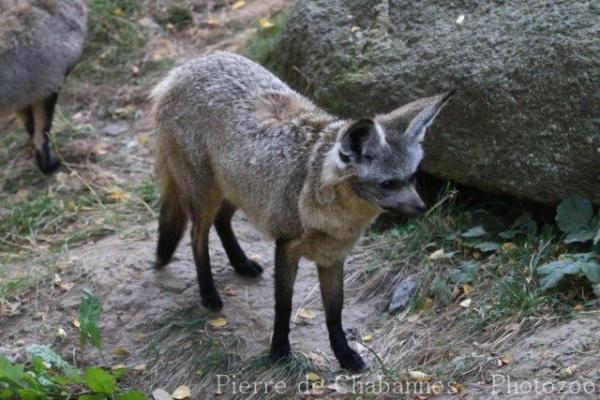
pixel 350 360
pixel 212 302
pixel 249 269
pixel 280 352
pixel 48 166
pixel 159 264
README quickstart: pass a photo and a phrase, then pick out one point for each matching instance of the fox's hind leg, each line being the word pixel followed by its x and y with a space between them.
pixel 43 113
pixel 203 216
pixel 238 259
pixel 26 116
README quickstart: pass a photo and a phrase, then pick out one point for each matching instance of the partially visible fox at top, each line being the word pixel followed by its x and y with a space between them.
pixel 40 43
pixel 231 135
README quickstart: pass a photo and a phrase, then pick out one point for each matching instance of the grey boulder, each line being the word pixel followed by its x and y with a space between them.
pixel 526 117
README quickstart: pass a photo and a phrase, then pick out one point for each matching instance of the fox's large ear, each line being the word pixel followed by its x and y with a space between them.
pixel 419 115
pixel 357 139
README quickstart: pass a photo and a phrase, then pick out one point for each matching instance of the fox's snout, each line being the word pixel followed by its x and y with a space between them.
pixel 409 204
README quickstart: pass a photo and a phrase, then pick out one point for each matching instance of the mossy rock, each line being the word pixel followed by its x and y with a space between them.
pixel 526 118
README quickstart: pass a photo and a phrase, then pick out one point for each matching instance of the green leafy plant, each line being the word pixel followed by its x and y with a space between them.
pixel 50 376
pixel 90 312
pixel 575 218
pixel 180 17
pixel 476 238
pixel 524 225
pixel 578 264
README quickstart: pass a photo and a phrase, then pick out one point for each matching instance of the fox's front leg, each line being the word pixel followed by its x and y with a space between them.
pixel 331 280
pixel 286 267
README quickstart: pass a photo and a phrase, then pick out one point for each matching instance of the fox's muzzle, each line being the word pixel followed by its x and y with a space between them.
pixel 409 203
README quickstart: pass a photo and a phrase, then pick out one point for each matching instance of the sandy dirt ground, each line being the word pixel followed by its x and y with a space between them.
pixel 138 299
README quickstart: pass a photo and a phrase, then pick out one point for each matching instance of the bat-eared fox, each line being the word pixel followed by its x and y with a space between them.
pixel 40 42
pixel 231 135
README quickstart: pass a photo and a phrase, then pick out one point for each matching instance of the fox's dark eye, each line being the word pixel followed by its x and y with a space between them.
pixel 390 184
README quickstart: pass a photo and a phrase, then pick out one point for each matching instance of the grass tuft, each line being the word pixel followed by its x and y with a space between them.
pixel 30 217
pixel 179 17
pixel 114 38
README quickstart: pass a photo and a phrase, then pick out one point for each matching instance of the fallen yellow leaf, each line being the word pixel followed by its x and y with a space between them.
pixel 466 303
pixel 118 366
pixel 120 352
pixel 139 337
pixel 419 376
pixel 213 21
pixel 264 23
pixel 313 377
pixel 141 367
pixel 506 358
pixel 182 392
pixel 355 29
pixel 456 387
pixel 66 286
pixel 437 255
pixel 76 323
pixel 427 304
pixel 218 322
pixel 118 194
pixel 568 371
pixel 61 333
pixel 509 246
pixel 306 313
pixel 367 338
pixel 143 139
pixel 160 394
pixel 230 291
pixel 238 4
pixel 467 289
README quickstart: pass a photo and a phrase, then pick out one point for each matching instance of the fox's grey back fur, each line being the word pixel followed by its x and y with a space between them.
pixel 40 41
pixel 222 109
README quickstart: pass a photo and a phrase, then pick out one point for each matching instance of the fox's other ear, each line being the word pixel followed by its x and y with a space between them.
pixel 357 139
pixel 418 115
